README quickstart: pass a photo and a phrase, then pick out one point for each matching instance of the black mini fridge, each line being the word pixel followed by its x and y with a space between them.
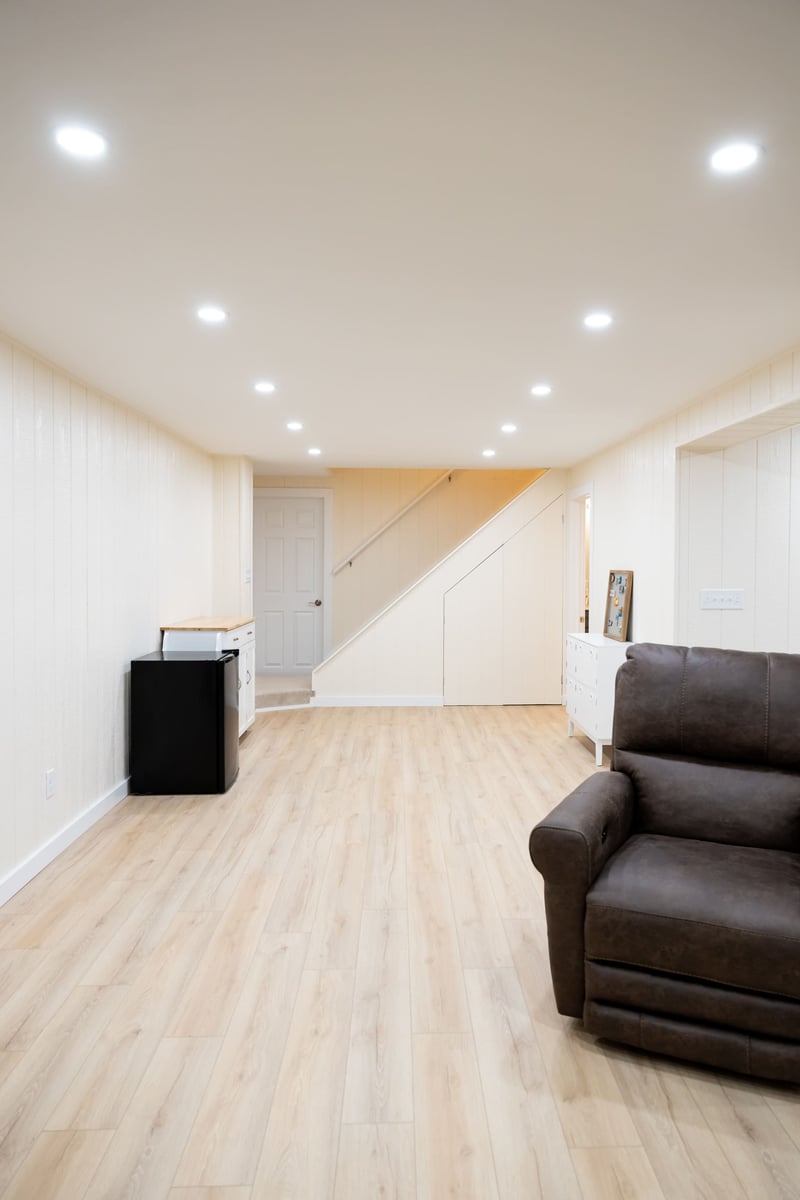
pixel 184 722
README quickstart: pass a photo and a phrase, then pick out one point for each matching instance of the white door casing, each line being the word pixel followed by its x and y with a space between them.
pixel 575 556
pixel 290 584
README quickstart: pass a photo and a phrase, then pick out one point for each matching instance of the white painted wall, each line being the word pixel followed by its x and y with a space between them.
pixel 233 537
pixel 635 494
pixel 105 532
pixel 740 525
pixel 503 622
pixel 398 658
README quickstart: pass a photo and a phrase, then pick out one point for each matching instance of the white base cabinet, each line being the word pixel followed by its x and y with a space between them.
pixel 592 662
pixel 237 637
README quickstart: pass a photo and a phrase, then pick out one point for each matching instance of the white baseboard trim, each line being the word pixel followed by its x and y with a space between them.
pixel 377 701
pixel 36 862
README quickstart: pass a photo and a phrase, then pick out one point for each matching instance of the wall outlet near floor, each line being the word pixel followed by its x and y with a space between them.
pixel 50 783
pixel 722 598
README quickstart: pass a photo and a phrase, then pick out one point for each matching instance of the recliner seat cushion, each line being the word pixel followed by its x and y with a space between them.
pixel 727 914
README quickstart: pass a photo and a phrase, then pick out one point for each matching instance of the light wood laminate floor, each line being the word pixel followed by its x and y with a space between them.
pixel 333 982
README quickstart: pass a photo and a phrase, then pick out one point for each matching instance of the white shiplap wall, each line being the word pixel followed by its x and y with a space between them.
pixel 105 531
pixel 233 536
pixel 635 506
pixel 740 518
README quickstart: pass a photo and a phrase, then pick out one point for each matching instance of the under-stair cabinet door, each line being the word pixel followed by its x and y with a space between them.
pixel 503 621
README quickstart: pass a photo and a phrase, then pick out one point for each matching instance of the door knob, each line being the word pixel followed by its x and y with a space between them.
pixel 315 603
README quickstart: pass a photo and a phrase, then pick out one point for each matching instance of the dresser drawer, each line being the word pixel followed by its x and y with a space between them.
pixel 582 662
pixel 234 639
pixel 582 706
pixel 591 663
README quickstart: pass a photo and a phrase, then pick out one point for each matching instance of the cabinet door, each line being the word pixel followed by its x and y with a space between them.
pixel 247 686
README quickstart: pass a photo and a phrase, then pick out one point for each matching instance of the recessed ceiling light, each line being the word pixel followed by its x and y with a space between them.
pixel 294 426
pixel 488 453
pixel 81 143
pixel 508 428
pixel 315 450
pixel 736 156
pixel 212 314
pixel 598 320
pixel 541 389
pixel 265 387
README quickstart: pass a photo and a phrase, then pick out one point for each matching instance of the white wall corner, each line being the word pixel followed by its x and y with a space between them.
pixel 232 535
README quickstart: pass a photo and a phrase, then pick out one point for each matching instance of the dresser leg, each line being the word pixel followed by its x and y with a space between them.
pixel 570 728
pixel 598 754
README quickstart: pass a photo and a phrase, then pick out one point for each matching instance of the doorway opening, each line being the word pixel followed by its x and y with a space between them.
pixel 578 558
pixel 291 590
pixel 587 541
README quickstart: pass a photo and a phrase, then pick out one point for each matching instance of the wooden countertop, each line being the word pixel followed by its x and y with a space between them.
pixel 211 623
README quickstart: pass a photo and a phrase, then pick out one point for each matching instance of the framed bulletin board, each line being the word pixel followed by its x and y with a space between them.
pixel 618 605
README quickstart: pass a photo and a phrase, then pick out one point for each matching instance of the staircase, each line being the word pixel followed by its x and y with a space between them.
pixel 399 657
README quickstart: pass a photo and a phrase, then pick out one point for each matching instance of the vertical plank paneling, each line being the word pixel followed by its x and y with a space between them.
pixel 82 502
pixel 635 518
pixel 705 546
pixel 25 776
pixel 793 645
pixel 739 542
pixel 61 645
pixel 772 542
pixel 109 665
pixel 126 444
pixel 44 661
pixel 78 585
pixel 780 379
pixel 682 521
pixel 7 832
pixel 95 597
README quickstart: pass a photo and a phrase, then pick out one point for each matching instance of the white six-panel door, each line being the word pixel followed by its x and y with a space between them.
pixel 287 583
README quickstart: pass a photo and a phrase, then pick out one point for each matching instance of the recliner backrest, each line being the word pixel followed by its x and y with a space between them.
pixel 711 741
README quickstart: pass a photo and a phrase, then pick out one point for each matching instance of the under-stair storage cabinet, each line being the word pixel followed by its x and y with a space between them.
pixel 592 662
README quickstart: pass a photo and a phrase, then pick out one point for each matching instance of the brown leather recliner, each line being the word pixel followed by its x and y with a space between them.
pixel 672 883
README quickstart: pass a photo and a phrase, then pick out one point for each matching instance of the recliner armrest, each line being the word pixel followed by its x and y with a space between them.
pixel 573 843
pixel 570 847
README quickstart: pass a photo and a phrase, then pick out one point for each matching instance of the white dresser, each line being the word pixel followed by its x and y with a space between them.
pixel 222 633
pixel 591 663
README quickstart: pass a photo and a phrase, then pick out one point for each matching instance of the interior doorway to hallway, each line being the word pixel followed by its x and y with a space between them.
pixel 291 580
pixel 578 560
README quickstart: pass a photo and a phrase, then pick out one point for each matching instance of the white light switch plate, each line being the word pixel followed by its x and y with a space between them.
pixel 722 598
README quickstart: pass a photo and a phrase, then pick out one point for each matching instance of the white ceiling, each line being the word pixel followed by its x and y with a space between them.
pixel 406 207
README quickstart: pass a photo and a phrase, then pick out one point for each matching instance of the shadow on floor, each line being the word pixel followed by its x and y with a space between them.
pixel 277 691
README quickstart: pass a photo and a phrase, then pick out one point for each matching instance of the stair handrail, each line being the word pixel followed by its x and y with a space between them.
pixel 348 560
pixel 450 554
